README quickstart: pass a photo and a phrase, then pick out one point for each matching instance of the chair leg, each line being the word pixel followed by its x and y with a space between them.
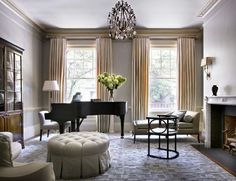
pixel 134 138
pixel 69 129
pixel 198 138
pixel 41 132
pixel 48 133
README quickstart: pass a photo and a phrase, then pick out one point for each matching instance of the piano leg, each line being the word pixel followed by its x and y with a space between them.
pixel 122 119
pixel 61 127
pixel 79 122
pixel 73 126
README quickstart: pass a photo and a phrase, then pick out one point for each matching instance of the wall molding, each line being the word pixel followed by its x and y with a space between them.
pixel 209 5
pixel 152 33
pixel 32 109
pixel 11 6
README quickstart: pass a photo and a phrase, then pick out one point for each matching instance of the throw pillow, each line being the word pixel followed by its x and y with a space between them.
pixel 5 151
pixel 188 119
pixel 179 114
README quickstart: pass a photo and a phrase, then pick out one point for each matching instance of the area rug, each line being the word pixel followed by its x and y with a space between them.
pixel 219 156
pixel 131 163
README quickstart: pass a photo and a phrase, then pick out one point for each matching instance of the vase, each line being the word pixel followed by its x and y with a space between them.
pixel 111 96
pixel 214 90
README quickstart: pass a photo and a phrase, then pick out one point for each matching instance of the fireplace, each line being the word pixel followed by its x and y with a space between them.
pixel 218 111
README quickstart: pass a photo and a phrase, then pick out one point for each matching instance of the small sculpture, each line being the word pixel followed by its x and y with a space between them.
pixel 214 90
pixel 77 97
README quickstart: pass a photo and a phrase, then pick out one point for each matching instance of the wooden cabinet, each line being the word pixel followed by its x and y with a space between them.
pixel 11 106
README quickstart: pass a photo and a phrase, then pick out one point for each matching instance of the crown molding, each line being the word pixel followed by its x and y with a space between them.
pixel 209 6
pixel 91 33
pixel 11 6
pixel 153 33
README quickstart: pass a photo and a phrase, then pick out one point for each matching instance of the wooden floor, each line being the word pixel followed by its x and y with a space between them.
pixel 220 156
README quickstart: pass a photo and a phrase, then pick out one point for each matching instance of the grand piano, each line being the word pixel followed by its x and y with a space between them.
pixel 78 111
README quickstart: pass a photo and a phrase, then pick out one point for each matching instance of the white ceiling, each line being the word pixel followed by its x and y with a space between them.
pixel 93 13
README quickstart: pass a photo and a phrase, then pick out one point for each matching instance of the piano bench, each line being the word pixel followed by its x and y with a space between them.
pixel 78 155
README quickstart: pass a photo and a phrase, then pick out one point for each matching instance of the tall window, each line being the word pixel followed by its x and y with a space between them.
pixel 81 72
pixel 162 79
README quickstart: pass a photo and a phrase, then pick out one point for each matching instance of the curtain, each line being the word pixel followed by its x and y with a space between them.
pixel 140 74
pixel 186 74
pixel 104 64
pixel 57 66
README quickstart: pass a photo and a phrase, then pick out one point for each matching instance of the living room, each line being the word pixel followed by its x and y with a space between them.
pixel 32 25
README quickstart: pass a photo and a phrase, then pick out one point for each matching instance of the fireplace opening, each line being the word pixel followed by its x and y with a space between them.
pixel 229 133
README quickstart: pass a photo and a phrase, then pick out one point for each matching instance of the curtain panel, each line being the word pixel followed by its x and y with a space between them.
pixel 186 60
pixel 140 74
pixel 104 64
pixel 57 57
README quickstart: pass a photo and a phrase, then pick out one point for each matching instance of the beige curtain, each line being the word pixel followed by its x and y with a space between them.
pixel 140 73
pixel 104 64
pixel 186 74
pixel 57 66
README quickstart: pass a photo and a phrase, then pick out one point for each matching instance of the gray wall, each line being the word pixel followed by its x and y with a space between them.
pixel 16 31
pixel 220 43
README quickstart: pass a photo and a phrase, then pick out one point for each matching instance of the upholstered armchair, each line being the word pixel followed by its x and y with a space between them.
pixel 47 124
pixel 13 171
pixel 16 147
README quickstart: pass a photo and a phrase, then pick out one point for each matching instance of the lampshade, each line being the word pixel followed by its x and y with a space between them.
pixel 206 61
pixel 50 85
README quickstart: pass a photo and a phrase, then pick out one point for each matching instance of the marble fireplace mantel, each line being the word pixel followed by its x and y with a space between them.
pixel 210 103
pixel 221 100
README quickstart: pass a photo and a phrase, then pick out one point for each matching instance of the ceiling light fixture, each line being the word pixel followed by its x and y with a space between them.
pixel 122 21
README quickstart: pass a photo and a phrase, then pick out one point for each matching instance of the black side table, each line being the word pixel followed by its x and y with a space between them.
pixel 167 126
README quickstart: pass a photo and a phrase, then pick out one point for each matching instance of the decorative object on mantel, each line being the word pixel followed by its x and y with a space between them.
pixel 204 63
pixel 111 82
pixel 214 90
pixel 122 21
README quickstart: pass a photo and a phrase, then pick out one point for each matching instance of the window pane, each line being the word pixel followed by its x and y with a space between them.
pixel 162 79
pixel 81 73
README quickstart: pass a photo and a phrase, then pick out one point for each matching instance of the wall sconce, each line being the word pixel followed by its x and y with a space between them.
pixel 204 63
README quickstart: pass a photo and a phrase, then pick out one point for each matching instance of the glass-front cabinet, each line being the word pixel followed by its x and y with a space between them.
pixel 11 108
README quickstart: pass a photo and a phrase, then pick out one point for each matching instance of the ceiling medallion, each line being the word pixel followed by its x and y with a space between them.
pixel 122 21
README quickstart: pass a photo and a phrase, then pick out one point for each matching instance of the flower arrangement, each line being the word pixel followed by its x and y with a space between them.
pixel 111 81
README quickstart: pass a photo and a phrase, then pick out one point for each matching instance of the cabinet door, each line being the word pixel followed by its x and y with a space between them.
pixel 2 83
pixel 14 125
pixel 2 123
pixel 18 82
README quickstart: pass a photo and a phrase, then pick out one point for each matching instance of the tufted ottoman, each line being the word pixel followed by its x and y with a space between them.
pixel 79 154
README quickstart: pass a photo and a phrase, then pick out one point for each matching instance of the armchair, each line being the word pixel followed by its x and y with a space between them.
pixel 14 171
pixel 16 147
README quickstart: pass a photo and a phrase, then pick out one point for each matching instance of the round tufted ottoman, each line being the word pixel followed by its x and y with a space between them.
pixel 79 154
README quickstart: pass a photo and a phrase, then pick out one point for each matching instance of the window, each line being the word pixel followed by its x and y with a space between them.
pixel 81 73
pixel 162 79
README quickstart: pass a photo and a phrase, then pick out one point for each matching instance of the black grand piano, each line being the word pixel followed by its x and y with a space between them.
pixel 78 111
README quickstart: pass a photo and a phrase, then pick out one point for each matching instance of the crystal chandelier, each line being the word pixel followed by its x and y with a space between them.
pixel 122 21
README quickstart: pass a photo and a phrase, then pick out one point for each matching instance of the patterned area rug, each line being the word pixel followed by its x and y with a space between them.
pixel 131 163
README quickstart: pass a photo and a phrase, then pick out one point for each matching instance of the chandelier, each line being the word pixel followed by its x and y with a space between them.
pixel 121 21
